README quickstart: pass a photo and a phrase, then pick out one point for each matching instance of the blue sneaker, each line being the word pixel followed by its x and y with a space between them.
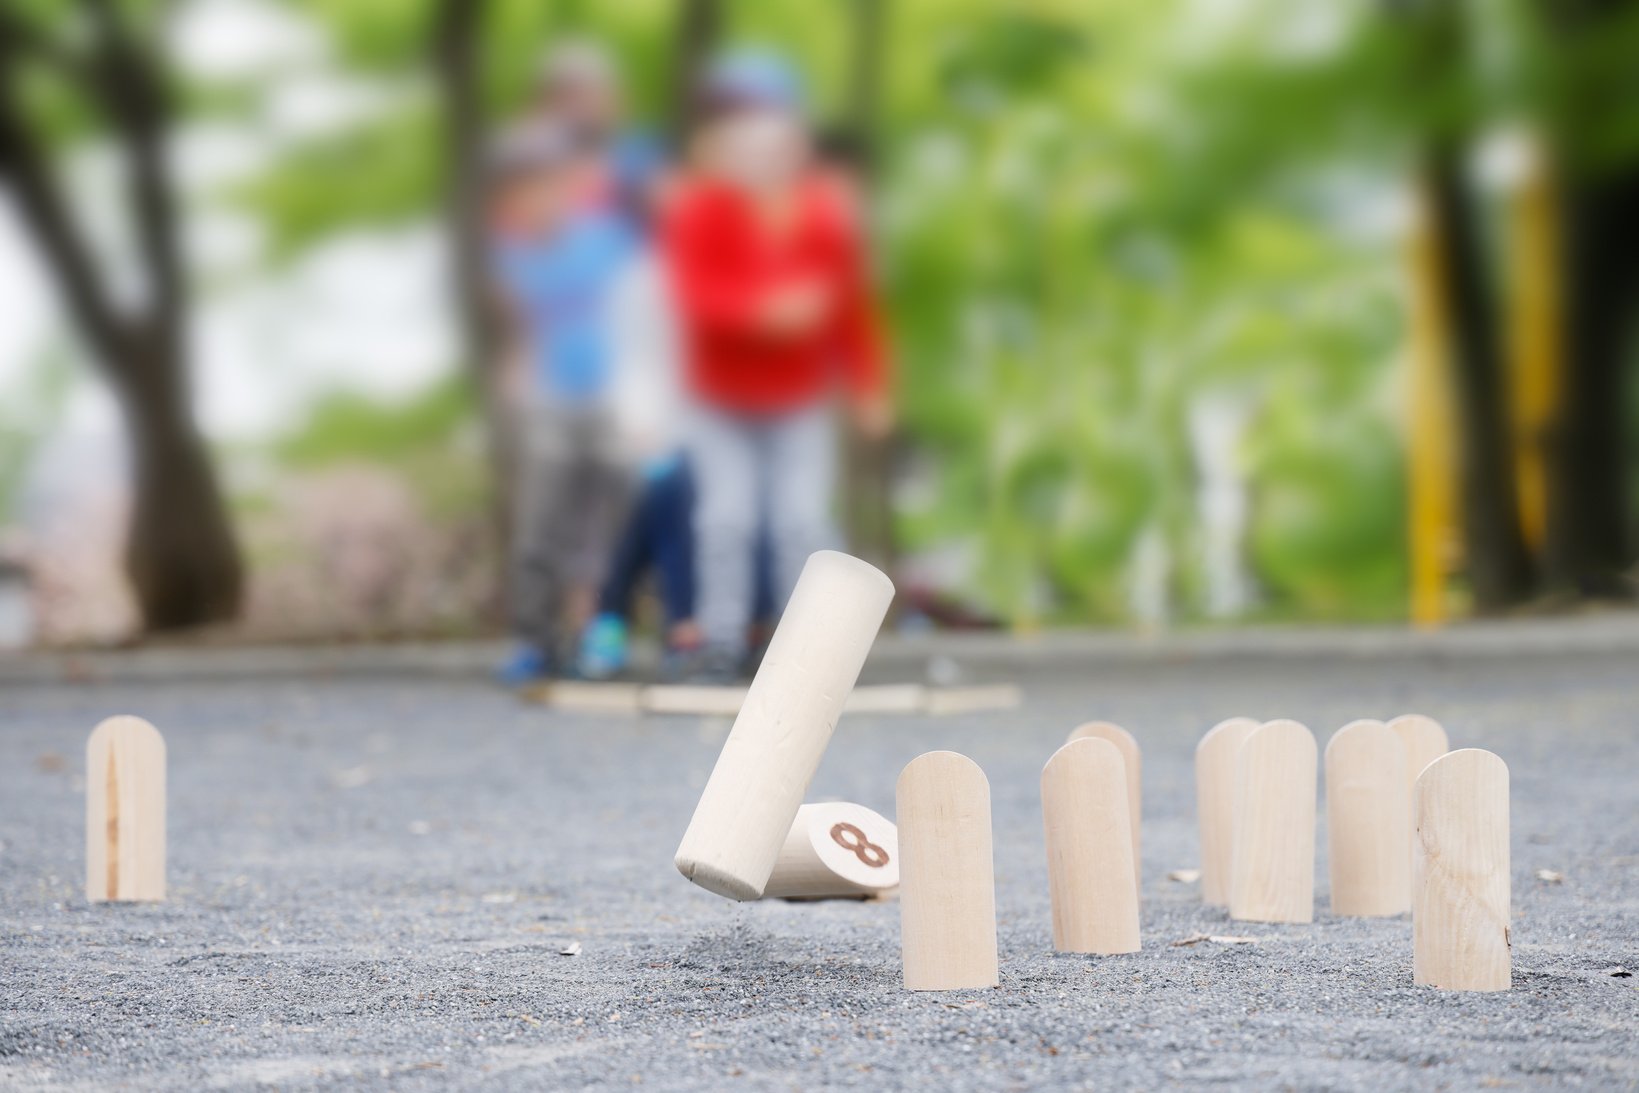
pixel 527 664
pixel 603 650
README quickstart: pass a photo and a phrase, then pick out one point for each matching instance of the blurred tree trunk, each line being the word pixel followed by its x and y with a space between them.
pixel 698 29
pixel 457 59
pixel 181 554
pixel 1587 544
pixel 868 511
pixel 1499 566
pixel 1588 536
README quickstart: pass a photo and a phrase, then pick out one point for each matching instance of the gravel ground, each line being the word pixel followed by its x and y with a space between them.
pixel 371 881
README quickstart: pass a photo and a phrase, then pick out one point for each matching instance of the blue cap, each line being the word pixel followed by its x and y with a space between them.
pixel 752 77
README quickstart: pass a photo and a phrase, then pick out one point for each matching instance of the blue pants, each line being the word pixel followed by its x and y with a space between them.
pixel 660 533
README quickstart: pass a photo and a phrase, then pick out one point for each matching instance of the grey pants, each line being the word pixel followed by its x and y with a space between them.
pixel 573 491
pixel 748 469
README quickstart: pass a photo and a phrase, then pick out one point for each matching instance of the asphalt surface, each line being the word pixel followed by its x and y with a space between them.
pixel 372 881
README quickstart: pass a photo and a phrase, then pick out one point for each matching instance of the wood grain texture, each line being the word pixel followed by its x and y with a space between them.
pixel 947 885
pixel 1215 757
pixel 782 730
pixel 1460 883
pixel 1272 871
pixel 1425 741
pixel 125 811
pixel 836 850
pixel 1089 848
pixel 1132 759
pixel 1368 821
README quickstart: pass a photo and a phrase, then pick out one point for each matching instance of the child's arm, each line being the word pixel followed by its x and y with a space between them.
pixel 860 344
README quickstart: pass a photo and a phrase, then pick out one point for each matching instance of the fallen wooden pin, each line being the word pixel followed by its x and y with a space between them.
pixel 124 812
pixel 947 894
pixel 1091 882
pixel 836 850
pixel 1368 823
pixel 783 726
pixel 726 701
pixel 1460 880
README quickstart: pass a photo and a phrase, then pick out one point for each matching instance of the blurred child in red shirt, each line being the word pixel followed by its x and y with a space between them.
pixel 768 273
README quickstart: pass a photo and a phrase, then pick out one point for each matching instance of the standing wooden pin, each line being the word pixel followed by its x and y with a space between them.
pixel 1460 886
pixel 1215 759
pixel 1272 875
pixel 1368 820
pixel 836 850
pixel 783 726
pixel 1425 741
pixel 1089 849
pixel 124 811
pixel 1133 760
pixel 947 885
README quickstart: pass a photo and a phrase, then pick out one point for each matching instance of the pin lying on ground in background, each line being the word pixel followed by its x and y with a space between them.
pixel 124 811
pixel 780 735
pixel 1133 761
pixel 1215 758
pixel 1425 741
pixel 1089 848
pixel 947 885
pixel 1460 880
pixel 1368 820
pixel 1272 875
pixel 836 850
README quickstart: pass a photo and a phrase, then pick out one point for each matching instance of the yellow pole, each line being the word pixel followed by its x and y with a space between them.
pixel 1533 338
pixel 1433 535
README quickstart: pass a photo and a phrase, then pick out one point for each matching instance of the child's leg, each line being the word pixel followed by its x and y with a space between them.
pixel 634 550
pixel 674 557
pixel 542 544
pixel 802 468
pixel 723 453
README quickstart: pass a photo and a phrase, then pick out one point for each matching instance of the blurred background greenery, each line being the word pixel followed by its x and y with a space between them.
pixel 1148 267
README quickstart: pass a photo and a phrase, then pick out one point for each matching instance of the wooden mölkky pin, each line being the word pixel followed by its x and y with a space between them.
pixel 1272 871
pixel 1133 761
pixel 784 725
pixel 1089 848
pixel 1368 826
pixel 1460 882
pixel 836 850
pixel 1425 741
pixel 1215 759
pixel 947 884
pixel 124 811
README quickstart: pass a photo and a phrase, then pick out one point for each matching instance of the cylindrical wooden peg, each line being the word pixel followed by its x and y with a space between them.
pixel 1215 759
pixel 1460 882
pixel 1368 827
pixel 1089 848
pixel 1132 759
pixel 947 884
pixel 125 811
pixel 1273 871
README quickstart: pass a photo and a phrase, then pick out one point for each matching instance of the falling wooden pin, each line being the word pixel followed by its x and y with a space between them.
pixel 1089 848
pixel 1460 882
pixel 1215 758
pixel 1133 761
pixel 836 850
pixel 124 811
pixel 1272 875
pixel 784 725
pixel 1368 825
pixel 947 885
